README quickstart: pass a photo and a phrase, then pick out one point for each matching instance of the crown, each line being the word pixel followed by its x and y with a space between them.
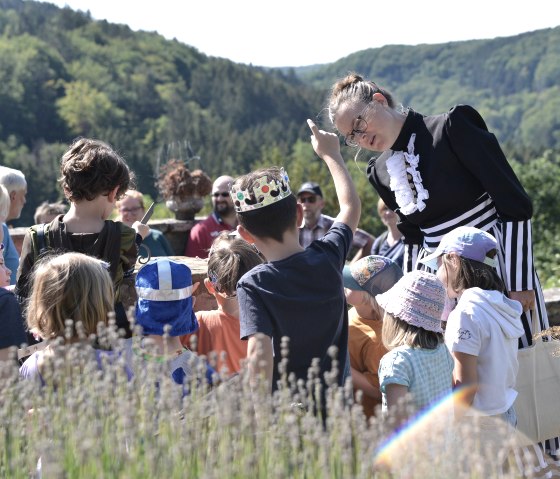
pixel 264 193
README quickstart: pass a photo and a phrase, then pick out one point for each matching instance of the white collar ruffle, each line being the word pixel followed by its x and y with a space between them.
pixel 399 165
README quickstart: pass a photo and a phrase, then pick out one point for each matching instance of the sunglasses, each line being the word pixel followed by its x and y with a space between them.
pixel 308 199
pixel 223 194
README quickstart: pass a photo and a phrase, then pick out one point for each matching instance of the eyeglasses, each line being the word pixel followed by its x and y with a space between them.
pixel 223 194
pixel 130 210
pixel 359 127
pixel 308 199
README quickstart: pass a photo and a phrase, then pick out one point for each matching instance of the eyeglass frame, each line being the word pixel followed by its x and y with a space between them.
pixel 357 131
pixel 130 210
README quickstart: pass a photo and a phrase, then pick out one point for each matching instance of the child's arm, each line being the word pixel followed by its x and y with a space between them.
pixel 465 376
pixel 260 360
pixel 360 381
pixel 327 147
pixel 396 394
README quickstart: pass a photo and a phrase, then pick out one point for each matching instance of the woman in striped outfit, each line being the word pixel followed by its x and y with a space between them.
pixel 439 172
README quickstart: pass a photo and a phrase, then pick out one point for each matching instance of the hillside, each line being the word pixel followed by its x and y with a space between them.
pixel 513 81
pixel 64 75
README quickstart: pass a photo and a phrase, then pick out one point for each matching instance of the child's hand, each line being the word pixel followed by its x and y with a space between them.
pixel 142 229
pixel 324 143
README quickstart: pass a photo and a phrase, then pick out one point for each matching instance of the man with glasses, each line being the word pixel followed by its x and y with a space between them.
pixel 223 218
pixel 316 224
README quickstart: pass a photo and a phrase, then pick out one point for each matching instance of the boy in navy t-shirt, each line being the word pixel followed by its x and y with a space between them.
pixel 299 292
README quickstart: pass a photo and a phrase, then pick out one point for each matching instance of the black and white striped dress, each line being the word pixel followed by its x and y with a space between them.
pixel 446 171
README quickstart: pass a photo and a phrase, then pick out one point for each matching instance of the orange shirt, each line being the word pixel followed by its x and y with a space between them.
pixel 219 332
pixel 366 350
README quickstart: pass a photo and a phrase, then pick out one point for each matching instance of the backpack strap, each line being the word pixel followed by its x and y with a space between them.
pixel 41 243
pixel 39 240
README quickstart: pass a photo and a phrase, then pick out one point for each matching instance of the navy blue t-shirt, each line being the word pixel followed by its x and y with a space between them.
pixel 12 329
pixel 301 297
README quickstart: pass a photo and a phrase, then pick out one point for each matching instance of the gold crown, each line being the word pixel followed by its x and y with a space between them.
pixel 264 193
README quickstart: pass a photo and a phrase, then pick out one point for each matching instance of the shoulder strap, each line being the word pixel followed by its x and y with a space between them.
pixel 41 243
pixel 39 240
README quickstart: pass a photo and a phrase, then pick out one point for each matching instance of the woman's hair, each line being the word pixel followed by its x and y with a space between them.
pixel 136 195
pixel 396 332
pixel 474 274
pixel 354 89
pixel 69 286
pixel 90 168
pixel 4 203
pixel 228 261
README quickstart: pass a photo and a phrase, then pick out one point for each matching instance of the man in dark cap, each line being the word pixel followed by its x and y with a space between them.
pixel 316 224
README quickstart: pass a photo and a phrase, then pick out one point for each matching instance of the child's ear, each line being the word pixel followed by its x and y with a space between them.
pixel 112 196
pixel 299 215
pixel 245 234
pixel 209 286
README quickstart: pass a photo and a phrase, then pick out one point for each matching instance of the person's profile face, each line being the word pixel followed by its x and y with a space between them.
pixel 354 297
pixel 5 272
pixel 17 201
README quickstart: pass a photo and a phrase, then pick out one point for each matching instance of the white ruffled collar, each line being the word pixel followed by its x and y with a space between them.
pixel 399 166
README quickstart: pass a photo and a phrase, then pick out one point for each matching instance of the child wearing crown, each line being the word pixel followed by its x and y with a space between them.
pixel 298 293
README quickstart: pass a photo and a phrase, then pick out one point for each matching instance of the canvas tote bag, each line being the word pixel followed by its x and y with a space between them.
pixel 538 386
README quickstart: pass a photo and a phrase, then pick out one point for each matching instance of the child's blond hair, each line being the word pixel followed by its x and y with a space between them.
pixel 70 286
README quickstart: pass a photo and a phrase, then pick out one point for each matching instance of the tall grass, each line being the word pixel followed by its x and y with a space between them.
pixel 91 422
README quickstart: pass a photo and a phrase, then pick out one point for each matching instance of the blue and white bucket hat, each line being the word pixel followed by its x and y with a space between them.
pixel 165 289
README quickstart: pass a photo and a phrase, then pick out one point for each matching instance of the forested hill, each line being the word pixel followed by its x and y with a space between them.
pixel 63 75
pixel 513 81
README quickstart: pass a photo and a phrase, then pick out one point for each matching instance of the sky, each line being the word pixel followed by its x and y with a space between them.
pixel 279 33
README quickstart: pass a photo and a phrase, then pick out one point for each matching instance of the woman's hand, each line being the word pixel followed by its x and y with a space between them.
pixel 324 143
pixel 526 298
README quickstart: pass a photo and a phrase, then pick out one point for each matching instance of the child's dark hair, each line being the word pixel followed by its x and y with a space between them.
pixel 270 221
pixel 90 168
pixel 228 262
pixel 474 274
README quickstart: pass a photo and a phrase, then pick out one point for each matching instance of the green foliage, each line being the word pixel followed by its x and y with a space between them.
pixel 513 81
pixel 541 179
pixel 64 75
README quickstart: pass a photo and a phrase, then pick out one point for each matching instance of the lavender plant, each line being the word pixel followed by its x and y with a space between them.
pixel 91 421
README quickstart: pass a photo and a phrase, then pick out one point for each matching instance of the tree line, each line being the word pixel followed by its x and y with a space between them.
pixel 64 75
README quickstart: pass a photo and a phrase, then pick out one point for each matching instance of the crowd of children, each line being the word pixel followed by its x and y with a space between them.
pixel 271 292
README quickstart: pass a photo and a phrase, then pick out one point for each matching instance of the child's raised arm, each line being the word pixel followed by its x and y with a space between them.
pixel 327 147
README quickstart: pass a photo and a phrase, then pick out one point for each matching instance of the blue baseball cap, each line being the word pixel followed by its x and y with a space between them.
pixel 374 274
pixel 466 241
